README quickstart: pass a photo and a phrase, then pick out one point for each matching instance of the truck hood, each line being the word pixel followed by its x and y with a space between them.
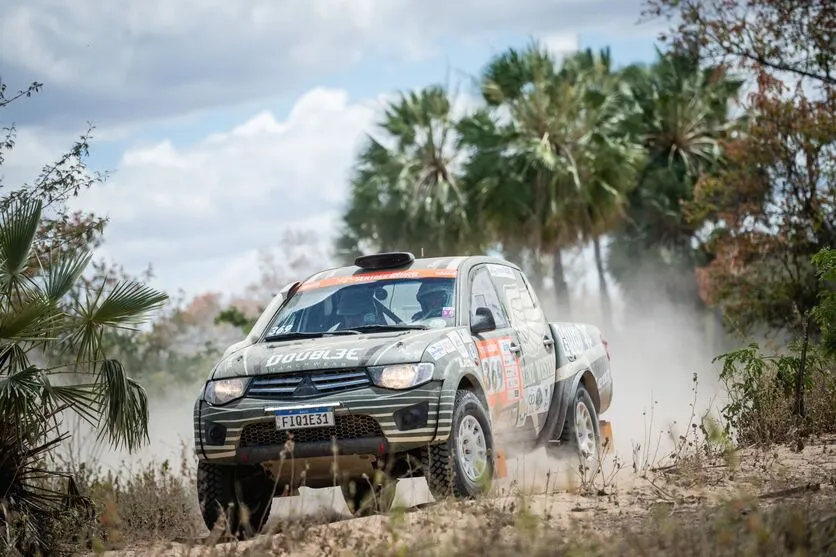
pixel 334 352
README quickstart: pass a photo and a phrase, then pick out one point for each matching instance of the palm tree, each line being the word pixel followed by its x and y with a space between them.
pixel 607 157
pixel 682 121
pixel 553 159
pixel 405 189
pixel 522 161
pixel 41 319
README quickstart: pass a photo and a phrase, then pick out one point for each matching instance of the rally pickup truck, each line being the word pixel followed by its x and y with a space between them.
pixel 414 367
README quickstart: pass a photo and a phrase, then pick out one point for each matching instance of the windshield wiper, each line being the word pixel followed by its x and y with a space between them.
pixel 400 327
pixel 308 334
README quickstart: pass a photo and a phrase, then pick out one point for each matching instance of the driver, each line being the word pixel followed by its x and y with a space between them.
pixel 433 297
pixel 356 308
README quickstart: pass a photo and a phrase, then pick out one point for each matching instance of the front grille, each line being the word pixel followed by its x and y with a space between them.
pixel 308 384
pixel 345 427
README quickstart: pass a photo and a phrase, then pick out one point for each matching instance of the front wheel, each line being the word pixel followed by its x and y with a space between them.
pixel 239 495
pixel 463 466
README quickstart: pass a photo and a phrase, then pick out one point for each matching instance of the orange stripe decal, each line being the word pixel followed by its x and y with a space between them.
pixel 380 275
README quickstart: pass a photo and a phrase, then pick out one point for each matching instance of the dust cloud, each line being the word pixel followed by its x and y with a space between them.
pixel 170 432
pixel 664 382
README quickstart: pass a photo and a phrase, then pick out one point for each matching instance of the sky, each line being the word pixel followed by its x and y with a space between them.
pixel 225 123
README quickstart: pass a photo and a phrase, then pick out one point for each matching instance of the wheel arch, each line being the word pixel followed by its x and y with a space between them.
pixel 562 397
pixel 469 382
pixel 587 379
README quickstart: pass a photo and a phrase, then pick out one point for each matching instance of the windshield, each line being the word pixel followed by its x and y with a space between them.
pixel 362 303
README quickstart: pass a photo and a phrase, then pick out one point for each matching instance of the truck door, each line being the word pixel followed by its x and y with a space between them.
pixel 538 360
pixel 498 351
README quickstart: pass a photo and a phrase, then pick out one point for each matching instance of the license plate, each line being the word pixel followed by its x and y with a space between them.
pixel 304 418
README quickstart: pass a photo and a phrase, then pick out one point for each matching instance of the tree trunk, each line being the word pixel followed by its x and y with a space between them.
pixel 800 411
pixel 561 288
pixel 606 302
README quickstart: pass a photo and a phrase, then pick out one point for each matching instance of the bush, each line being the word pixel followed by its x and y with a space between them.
pixel 761 410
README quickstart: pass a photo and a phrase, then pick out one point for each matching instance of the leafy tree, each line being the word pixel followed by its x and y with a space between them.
pixel 825 312
pixel 792 37
pixel 779 213
pixel 770 210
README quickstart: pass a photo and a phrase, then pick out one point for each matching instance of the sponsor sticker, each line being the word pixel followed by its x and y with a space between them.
pixel 436 350
pixel 500 271
pixel 501 376
pixel 457 342
pixel 380 275
pixel 537 398
pixel 313 355
pixel 448 345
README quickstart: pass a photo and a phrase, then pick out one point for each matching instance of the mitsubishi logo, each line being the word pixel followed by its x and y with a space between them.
pixel 305 388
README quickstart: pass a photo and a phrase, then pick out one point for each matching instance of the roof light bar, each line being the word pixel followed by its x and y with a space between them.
pixel 388 260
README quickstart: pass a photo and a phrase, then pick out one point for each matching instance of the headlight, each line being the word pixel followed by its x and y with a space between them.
pixel 402 376
pixel 225 390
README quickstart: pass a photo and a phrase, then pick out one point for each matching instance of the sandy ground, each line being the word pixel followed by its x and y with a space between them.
pixel 619 496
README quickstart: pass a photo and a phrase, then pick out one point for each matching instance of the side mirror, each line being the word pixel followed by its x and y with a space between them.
pixel 482 321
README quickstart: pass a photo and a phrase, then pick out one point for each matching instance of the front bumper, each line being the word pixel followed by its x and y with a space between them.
pixel 368 421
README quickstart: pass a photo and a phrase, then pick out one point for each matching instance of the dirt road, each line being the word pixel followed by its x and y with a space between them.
pixel 316 522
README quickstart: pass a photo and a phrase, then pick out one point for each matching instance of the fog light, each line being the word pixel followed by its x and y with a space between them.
pixel 412 417
pixel 215 434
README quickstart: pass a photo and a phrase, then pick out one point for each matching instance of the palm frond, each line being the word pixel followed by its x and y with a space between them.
pixel 20 391
pixel 29 320
pixel 17 233
pixel 125 407
pixel 128 303
pixel 63 273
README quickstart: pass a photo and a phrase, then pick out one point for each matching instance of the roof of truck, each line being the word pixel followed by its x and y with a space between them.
pixel 424 267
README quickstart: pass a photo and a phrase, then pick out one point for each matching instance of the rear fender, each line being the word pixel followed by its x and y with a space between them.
pixel 582 358
pixel 583 344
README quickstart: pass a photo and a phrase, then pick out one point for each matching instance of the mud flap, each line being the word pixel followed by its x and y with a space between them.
pixel 500 464
pixel 606 436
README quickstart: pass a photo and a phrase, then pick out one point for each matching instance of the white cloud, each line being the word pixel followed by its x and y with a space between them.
pixel 561 44
pixel 199 213
pixel 121 60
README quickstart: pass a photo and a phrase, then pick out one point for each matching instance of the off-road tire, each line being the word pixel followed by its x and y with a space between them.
pixel 440 464
pixel 221 490
pixel 568 448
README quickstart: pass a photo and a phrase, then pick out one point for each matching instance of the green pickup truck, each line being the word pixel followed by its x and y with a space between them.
pixel 413 367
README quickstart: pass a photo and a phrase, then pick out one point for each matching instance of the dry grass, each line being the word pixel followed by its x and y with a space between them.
pixel 705 503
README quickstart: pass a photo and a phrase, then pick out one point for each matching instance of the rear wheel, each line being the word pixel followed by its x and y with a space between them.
pixel 581 438
pixel 240 495
pixel 463 466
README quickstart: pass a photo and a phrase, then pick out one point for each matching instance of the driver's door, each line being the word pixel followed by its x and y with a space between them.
pixel 498 352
